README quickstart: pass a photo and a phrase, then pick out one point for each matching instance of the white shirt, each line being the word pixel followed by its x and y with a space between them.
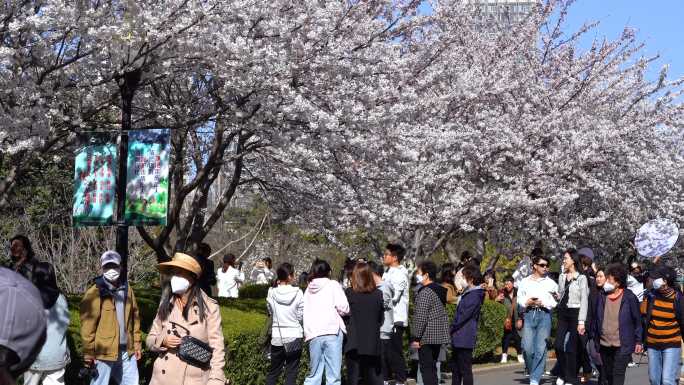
pixel 635 287
pixel 228 282
pixel 542 289
pixel 398 278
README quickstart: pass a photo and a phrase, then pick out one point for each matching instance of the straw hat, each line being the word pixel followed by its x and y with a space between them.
pixel 182 261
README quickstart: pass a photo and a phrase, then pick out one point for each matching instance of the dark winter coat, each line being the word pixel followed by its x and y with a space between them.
pixel 629 321
pixel 365 319
pixel 464 327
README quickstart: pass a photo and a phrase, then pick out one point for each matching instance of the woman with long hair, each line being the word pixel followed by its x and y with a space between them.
pixel 446 277
pixel 286 307
pixel 572 314
pixel 185 310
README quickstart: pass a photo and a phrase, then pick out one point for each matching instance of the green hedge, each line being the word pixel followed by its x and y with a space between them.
pixel 243 326
pixel 254 291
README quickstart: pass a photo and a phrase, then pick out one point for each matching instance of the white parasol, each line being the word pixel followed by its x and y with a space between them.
pixel 656 237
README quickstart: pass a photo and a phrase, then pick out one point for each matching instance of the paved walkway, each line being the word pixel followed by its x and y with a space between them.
pixel 513 374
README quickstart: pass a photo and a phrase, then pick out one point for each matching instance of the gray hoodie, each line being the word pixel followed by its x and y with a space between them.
pixel 286 306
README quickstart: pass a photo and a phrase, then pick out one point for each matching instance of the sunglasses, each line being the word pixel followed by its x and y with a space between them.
pixel 543 265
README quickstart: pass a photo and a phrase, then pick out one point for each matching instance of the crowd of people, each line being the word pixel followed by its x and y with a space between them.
pixel 359 322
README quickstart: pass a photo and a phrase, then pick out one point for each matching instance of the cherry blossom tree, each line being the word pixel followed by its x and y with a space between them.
pixel 515 134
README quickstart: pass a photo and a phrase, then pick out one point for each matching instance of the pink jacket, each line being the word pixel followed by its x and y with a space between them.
pixel 324 305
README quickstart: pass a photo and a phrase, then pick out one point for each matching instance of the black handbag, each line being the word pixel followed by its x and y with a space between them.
pixel 193 351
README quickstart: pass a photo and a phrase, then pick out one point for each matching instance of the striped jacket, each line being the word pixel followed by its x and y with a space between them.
pixel 662 323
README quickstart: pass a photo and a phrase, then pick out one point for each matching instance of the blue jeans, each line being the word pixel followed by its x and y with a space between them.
pixel 325 354
pixel 535 332
pixel 122 372
pixel 663 366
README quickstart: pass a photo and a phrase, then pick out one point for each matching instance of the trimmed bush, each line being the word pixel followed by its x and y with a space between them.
pixel 490 330
pixel 254 291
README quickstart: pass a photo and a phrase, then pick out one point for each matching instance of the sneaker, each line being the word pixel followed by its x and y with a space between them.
pixel 559 381
pixel 504 358
pixel 521 359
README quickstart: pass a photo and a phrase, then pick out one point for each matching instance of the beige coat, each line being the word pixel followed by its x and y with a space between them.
pixel 168 368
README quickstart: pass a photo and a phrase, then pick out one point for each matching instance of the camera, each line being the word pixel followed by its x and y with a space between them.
pixel 88 373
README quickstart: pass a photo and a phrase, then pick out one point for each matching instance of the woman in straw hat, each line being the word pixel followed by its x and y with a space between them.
pixel 185 310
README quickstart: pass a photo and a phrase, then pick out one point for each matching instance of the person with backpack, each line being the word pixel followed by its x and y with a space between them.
pixel 464 327
pixel 662 312
pixel 430 327
pixel 49 367
pixel 324 306
pixel 110 326
pixel 286 307
pixel 616 327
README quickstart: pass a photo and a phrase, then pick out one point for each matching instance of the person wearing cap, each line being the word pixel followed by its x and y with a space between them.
pixel 110 326
pixel 22 325
pixel 50 365
pixel 185 309
pixel 662 313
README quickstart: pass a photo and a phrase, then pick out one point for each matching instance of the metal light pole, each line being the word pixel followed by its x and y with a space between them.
pixel 128 84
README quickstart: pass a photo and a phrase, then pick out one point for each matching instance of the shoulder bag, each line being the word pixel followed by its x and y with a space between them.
pixel 290 347
pixel 193 351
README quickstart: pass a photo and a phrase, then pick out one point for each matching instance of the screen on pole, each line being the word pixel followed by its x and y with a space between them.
pixel 147 181
pixel 95 182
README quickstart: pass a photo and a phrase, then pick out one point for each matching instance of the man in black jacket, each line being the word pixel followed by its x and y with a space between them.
pixel 430 326
pixel 208 277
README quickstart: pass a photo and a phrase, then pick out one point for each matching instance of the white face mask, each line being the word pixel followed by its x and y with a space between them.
pixel 658 283
pixel 111 275
pixel 608 287
pixel 179 285
pixel 419 278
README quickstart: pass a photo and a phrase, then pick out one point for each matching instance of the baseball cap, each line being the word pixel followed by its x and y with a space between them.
pixel 110 256
pixel 22 318
pixel 587 252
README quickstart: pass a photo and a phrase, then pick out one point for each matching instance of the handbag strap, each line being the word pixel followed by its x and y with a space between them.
pixel 275 315
pixel 183 327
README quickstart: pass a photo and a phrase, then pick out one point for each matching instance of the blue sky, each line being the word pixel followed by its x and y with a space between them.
pixel 657 23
